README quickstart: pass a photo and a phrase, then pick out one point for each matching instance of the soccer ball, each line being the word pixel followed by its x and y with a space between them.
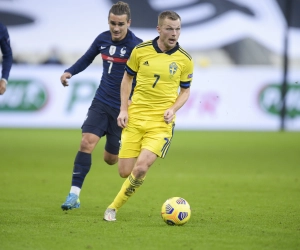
pixel 176 211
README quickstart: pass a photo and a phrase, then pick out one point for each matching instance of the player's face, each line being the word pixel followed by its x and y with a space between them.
pixel 169 32
pixel 118 26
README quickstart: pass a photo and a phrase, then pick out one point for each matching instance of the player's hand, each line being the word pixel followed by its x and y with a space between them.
pixel 169 115
pixel 2 86
pixel 122 119
pixel 64 78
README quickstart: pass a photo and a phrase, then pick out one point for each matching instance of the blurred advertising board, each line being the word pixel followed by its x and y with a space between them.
pixel 229 98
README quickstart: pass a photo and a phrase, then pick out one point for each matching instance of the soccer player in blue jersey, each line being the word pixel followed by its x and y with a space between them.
pixel 162 67
pixel 6 56
pixel 115 46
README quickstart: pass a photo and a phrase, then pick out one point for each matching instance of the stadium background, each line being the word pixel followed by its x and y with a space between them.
pixel 243 186
pixel 238 47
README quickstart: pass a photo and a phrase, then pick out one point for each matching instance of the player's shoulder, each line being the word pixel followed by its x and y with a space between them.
pixel 184 53
pixel 144 44
pixel 104 36
pixel 134 38
pixel 2 27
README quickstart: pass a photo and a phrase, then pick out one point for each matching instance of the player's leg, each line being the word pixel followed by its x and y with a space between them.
pixel 125 166
pixel 83 161
pixel 109 158
pixel 93 129
pixel 154 143
pixel 82 165
pixel 113 137
pixel 132 183
pixel 129 150
pixel 131 139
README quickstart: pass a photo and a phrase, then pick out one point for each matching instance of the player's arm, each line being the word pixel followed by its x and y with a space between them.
pixel 81 64
pixel 185 84
pixel 180 101
pixel 64 78
pixel 3 83
pixel 7 59
pixel 126 86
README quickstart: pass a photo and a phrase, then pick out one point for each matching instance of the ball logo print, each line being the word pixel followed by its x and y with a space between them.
pixel 176 211
pixel 180 201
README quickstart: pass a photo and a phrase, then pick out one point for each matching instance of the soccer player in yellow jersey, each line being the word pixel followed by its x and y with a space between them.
pixel 161 68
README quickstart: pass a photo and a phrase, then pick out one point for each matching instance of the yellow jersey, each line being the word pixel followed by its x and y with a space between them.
pixel 158 78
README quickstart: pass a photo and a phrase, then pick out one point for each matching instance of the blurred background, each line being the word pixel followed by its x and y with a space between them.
pixel 246 53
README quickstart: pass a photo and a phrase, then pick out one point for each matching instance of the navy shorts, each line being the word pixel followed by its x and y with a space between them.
pixel 101 120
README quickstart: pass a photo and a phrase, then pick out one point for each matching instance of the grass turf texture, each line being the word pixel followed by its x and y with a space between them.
pixel 243 188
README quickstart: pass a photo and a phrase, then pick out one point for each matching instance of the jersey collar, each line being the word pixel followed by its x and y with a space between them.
pixel 169 52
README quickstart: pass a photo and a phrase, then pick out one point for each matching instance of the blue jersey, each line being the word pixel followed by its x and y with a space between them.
pixel 114 56
pixel 6 51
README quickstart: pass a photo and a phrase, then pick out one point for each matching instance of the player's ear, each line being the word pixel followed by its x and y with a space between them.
pixel 158 29
pixel 129 22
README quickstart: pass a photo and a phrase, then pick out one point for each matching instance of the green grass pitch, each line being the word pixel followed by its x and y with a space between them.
pixel 243 187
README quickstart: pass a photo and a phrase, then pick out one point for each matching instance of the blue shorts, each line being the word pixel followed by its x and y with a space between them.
pixel 101 120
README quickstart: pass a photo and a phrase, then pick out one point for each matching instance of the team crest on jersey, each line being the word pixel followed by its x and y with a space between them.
pixel 123 51
pixel 172 69
pixel 112 50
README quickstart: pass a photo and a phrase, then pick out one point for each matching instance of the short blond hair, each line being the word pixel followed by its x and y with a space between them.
pixel 168 14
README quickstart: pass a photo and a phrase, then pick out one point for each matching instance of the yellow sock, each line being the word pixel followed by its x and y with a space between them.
pixel 129 187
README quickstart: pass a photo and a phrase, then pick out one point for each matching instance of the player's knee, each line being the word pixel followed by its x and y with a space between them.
pixel 85 146
pixel 123 173
pixel 139 172
pixel 110 160
pixel 125 167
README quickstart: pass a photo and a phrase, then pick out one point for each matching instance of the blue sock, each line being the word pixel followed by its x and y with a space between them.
pixel 82 165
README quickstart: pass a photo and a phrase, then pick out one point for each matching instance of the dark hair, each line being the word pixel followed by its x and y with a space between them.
pixel 120 8
pixel 169 14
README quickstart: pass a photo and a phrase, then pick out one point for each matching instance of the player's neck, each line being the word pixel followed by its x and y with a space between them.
pixel 162 47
